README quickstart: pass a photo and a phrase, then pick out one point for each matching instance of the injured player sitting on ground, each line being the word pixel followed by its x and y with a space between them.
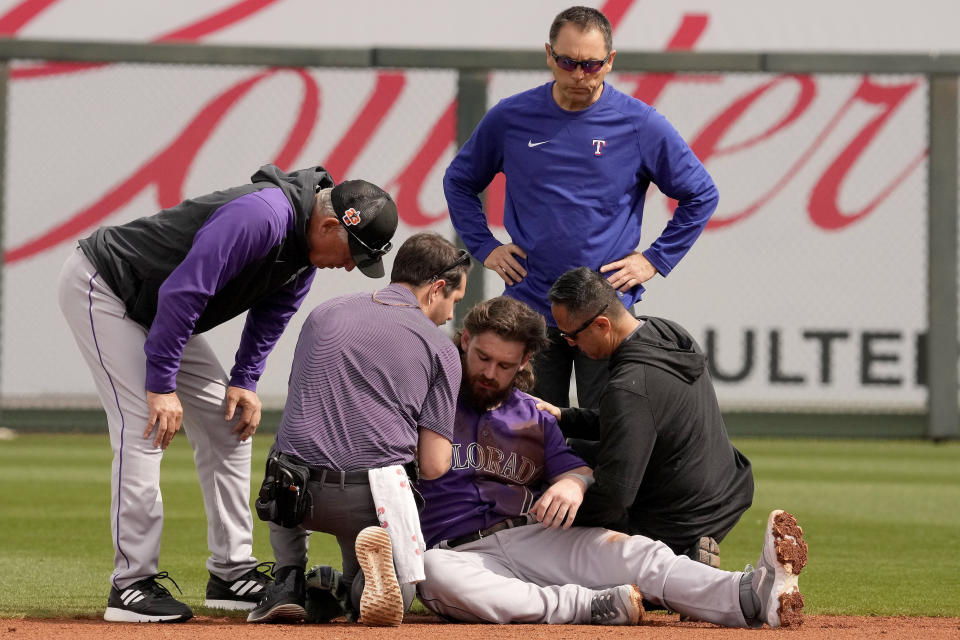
pixel 498 524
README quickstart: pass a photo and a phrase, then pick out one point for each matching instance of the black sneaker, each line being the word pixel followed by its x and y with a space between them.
pixel 284 599
pixel 146 601
pixel 326 595
pixel 242 593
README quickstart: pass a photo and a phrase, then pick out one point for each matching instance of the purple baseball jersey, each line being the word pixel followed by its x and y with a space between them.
pixel 501 461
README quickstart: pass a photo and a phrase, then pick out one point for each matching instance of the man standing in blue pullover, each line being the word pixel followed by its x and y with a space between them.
pixel 578 157
pixel 138 297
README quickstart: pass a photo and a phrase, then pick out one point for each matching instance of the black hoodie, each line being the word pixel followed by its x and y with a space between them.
pixel 664 465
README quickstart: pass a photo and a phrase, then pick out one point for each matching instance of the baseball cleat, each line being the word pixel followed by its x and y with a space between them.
pixel 283 600
pixel 621 605
pixel 242 593
pixel 775 578
pixel 146 601
pixel 381 604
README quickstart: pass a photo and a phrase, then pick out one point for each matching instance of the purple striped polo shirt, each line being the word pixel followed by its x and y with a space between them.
pixel 369 369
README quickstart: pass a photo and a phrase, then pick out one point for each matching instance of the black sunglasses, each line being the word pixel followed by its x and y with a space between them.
pixel 572 336
pixel 375 254
pixel 569 64
pixel 462 258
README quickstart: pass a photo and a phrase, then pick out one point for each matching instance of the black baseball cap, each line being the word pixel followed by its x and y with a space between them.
pixel 369 215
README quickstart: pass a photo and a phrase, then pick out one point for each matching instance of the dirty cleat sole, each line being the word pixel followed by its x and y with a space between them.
pixel 636 603
pixel 785 554
pixel 381 604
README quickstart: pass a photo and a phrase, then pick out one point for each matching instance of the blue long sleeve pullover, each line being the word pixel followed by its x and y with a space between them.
pixel 575 186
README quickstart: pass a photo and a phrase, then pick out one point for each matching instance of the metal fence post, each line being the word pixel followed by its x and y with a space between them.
pixel 942 377
pixel 471 105
pixel 4 115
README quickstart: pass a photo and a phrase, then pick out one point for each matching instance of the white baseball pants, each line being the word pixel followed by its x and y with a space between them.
pixel 536 575
pixel 112 346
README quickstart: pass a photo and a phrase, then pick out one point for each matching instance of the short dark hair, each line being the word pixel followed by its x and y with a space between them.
pixel 511 320
pixel 582 291
pixel 428 256
pixel 585 18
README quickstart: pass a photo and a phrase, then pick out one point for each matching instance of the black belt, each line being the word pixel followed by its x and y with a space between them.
pixel 332 476
pixel 509 523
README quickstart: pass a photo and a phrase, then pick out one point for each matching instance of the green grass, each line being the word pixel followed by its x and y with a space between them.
pixel 55 550
pixel 881 519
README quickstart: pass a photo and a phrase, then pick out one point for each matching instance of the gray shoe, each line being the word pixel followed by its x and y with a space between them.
pixel 774 581
pixel 617 606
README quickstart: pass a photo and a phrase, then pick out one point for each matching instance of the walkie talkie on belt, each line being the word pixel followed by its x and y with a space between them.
pixel 284 498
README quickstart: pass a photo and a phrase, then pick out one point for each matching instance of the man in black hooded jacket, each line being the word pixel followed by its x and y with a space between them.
pixel 138 298
pixel 663 462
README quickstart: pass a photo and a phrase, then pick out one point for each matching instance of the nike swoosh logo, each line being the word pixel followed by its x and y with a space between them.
pixel 531 143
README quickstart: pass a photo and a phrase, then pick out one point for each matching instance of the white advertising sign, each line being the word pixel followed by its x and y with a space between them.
pixel 807 288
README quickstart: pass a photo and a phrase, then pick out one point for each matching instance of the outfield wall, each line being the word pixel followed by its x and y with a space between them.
pixel 809 289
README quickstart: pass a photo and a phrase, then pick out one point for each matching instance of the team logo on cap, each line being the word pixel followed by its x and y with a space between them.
pixel 351 217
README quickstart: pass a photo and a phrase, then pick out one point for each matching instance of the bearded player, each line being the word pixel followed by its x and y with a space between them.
pixel 498 524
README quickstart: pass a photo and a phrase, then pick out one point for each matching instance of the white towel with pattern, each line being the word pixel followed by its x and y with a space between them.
pixel 397 512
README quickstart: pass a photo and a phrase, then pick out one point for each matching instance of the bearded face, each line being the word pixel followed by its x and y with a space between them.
pixel 483 393
pixel 490 364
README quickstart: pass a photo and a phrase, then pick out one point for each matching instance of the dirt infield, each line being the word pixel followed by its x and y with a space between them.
pixel 656 626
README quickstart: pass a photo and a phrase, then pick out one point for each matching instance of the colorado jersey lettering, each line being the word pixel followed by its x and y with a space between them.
pixel 501 462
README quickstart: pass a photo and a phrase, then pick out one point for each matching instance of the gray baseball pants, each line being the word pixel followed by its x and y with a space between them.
pixel 341 511
pixel 537 575
pixel 112 346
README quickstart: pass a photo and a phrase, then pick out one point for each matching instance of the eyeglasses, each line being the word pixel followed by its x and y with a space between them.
pixel 572 336
pixel 569 64
pixel 462 258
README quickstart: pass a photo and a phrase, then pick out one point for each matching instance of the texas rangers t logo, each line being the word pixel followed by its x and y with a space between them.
pixel 597 145
pixel 352 217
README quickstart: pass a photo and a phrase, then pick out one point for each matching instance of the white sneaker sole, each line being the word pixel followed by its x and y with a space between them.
pixel 232 605
pixel 288 613
pixel 785 550
pixel 113 614
pixel 381 604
